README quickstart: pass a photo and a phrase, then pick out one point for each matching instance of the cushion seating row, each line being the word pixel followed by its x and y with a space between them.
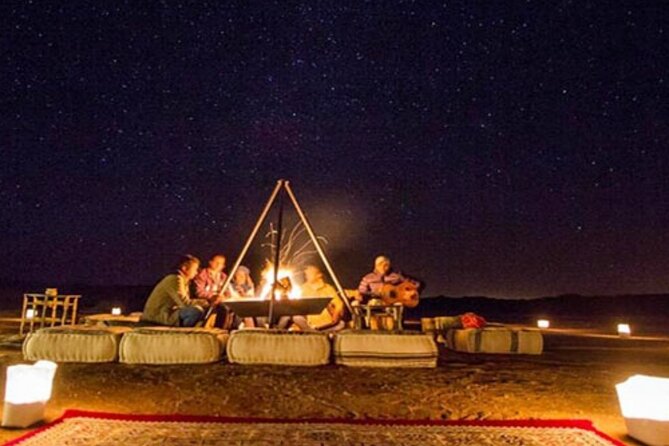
pixel 149 345
pixel 167 345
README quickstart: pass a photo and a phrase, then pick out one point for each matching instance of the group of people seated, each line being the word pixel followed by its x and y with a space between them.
pixel 183 298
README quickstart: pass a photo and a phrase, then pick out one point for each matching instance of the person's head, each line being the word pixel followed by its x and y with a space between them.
pixel 242 275
pixel 217 263
pixel 382 265
pixel 188 266
pixel 312 274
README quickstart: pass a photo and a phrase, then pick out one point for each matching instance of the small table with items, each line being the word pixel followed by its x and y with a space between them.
pixel 375 314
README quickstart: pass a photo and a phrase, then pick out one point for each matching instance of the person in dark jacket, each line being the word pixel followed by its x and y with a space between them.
pixel 170 302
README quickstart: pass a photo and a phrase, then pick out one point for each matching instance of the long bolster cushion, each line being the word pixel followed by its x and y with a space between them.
pixel 496 340
pixel 76 343
pixel 385 349
pixel 278 347
pixel 173 345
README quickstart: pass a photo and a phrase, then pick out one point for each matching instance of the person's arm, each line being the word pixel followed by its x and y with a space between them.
pixel 227 294
pixel 404 278
pixel 364 288
pixel 232 291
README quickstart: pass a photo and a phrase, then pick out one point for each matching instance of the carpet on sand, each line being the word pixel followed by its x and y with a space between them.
pixel 95 428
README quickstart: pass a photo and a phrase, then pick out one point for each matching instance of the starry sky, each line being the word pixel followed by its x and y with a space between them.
pixel 498 148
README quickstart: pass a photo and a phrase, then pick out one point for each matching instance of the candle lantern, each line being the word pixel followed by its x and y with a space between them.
pixel 624 330
pixel 27 390
pixel 543 323
pixel 644 401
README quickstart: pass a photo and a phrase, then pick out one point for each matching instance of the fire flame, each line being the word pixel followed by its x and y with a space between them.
pixel 268 278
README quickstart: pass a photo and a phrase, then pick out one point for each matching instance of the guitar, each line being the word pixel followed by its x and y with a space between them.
pixel 405 293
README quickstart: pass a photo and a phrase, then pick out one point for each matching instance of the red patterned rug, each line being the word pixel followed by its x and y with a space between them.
pixel 93 428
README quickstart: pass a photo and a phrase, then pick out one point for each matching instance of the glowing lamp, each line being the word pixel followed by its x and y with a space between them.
pixel 30 313
pixel 27 390
pixel 624 330
pixel 644 402
pixel 543 323
pixel 116 311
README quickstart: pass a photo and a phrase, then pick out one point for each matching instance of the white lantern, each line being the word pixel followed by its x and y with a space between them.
pixel 27 390
pixel 624 330
pixel 30 313
pixel 116 311
pixel 644 401
pixel 543 323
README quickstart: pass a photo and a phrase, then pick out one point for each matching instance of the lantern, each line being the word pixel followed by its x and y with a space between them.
pixel 30 313
pixel 644 401
pixel 624 330
pixel 543 323
pixel 27 390
pixel 116 311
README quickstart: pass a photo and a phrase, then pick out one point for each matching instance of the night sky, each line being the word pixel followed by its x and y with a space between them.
pixel 499 148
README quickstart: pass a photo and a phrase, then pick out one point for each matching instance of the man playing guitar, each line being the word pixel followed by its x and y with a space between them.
pixel 388 285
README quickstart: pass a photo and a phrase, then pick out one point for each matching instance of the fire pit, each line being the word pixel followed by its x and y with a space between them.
pixel 255 307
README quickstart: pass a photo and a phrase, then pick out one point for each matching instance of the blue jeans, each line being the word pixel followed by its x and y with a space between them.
pixel 189 316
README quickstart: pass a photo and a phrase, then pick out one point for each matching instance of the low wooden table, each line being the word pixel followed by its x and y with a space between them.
pixel 364 313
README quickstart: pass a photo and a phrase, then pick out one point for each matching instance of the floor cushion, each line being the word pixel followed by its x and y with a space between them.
pixel 278 347
pixel 75 343
pixel 385 349
pixel 173 345
pixel 496 340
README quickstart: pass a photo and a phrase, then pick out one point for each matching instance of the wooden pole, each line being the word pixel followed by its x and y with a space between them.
pixel 321 253
pixel 277 259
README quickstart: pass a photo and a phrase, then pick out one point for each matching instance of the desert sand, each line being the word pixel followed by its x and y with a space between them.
pixel 574 378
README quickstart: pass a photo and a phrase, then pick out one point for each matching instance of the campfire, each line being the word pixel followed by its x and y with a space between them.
pixel 286 286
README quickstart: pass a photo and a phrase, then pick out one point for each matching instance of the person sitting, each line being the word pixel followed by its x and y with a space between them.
pixel 372 284
pixel 170 303
pixel 208 286
pixel 330 319
pixel 242 284
pixel 385 287
pixel 209 281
